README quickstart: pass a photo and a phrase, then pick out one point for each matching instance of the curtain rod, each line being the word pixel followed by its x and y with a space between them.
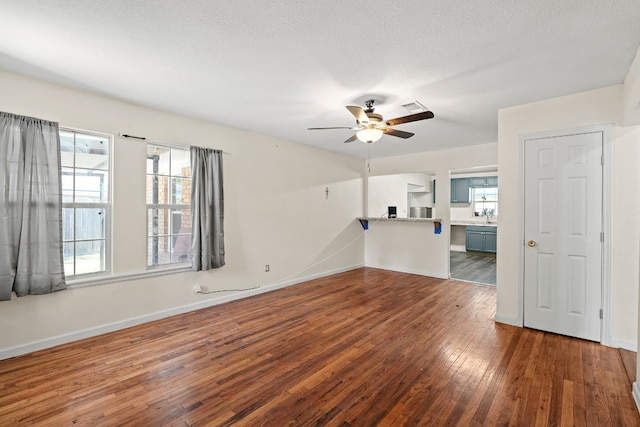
pixel 131 136
pixel 167 144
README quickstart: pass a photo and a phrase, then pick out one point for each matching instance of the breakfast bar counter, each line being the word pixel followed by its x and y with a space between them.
pixel 410 245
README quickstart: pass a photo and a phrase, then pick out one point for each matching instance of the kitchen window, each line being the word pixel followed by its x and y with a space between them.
pixel 168 205
pixel 485 201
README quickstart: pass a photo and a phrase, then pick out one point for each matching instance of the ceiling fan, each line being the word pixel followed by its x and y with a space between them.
pixel 371 126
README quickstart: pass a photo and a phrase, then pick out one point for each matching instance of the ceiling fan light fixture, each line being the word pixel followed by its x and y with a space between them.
pixel 369 134
pixel 372 125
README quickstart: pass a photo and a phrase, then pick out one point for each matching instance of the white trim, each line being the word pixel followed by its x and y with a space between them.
pixel 108 206
pixel 607 186
pixel 167 206
pixel 514 321
pixel 103 280
pixel 636 394
pixel 607 136
pixel 138 320
pixel 519 320
pixel 616 343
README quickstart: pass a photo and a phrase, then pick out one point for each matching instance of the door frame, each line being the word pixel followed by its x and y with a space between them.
pixel 607 133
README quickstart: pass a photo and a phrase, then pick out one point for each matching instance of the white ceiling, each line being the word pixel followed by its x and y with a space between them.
pixel 278 67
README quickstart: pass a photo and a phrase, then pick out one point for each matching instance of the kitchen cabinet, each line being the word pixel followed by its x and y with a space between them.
pixel 481 239
pixel 483 181
pixel 492 181
pixel 478 181
pixel 460 190
pixel 491 241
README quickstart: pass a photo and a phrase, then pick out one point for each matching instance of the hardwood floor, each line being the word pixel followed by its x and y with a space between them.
pixel 362 348
pixel 629 359
pixel 473 267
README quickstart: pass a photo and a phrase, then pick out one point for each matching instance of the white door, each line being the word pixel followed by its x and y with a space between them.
pixel 563 224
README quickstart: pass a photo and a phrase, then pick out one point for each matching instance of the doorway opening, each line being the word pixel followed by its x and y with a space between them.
pixel 473 213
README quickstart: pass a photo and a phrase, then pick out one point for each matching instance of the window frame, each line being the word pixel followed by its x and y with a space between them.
pixel 170 207
pixel 476 200
pixel 106 206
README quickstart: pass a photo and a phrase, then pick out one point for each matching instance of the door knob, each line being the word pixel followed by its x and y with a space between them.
pixel 531 243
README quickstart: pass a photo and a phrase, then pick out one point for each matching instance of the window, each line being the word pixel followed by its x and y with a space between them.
pixel 85 159
pixel 485 201
pixel 168 205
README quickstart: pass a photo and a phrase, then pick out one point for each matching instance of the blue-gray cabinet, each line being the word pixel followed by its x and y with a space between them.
pixel 483 181
pixel 481 238
pixel 461 187
pixel 460 190
pixel 478 181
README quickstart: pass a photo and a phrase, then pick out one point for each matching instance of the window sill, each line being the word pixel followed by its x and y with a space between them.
pixel 152 272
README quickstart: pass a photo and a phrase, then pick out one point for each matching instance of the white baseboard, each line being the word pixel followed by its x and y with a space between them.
pixel 616 343
pixel 513 321
pixel 636 394
pixel 138 320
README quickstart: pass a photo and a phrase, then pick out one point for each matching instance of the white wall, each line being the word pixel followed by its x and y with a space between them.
pixel 391 190
pixel 433 258
pixel 636 383
pixel 406 246
pixel 602 106
pixel 458 238
pixel 631 93
pixel 276 213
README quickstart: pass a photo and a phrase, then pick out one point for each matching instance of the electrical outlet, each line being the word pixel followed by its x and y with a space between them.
pixel 266 268
pixel 197 289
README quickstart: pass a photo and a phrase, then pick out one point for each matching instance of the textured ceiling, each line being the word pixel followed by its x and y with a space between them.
pixel 281 66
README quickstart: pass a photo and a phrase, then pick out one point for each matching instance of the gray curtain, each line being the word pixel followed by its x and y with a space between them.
pixel 30 207
pixel 207 209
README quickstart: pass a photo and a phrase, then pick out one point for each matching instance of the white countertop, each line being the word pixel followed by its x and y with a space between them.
pixel 479 222
pixel 374 218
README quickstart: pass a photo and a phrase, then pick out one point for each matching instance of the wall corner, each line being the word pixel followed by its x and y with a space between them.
pixel 631 94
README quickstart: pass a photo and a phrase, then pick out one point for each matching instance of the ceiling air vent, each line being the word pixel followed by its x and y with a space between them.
pixel 415 107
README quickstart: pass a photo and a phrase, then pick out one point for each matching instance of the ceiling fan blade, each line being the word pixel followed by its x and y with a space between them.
pixel 410 118
pixel 398 133
pixel 358 113
pixel 353 138
pixel 333 127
